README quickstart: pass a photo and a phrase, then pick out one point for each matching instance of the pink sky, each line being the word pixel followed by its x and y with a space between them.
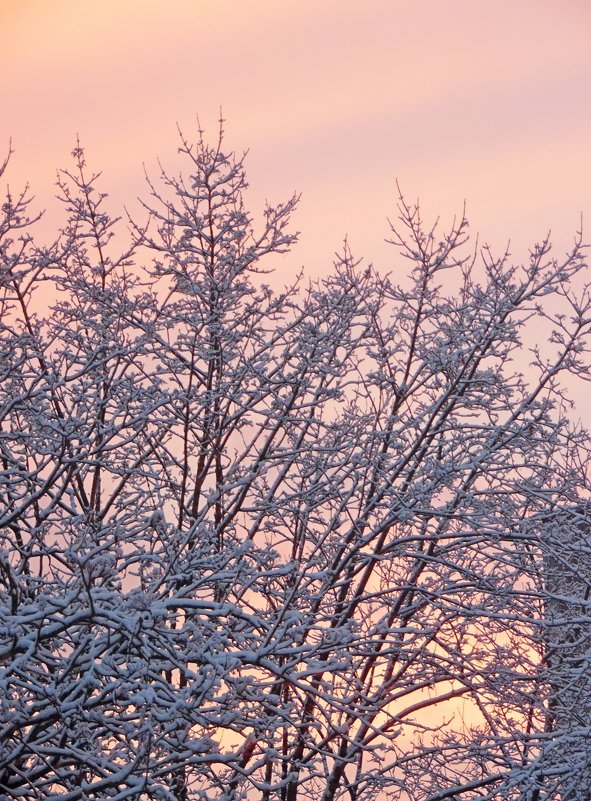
pixel 487 101
pixel 458 99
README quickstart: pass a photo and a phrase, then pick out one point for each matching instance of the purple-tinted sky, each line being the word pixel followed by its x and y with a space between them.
pixel 458 99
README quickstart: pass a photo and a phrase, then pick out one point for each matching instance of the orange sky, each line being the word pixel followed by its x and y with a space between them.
pixel 458 99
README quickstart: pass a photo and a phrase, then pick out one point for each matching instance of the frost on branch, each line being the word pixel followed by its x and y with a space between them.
pixel 330 542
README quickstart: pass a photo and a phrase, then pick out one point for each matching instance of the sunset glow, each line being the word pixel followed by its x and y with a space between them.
pixel 462 100
pixel 285 538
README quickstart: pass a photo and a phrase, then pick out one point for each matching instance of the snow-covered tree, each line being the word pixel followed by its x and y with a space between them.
pixel 319 543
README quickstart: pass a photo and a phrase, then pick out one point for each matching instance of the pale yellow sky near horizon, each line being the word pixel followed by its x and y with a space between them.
pixel 457 99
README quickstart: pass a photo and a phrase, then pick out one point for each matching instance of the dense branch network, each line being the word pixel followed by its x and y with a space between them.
pixel 319 543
